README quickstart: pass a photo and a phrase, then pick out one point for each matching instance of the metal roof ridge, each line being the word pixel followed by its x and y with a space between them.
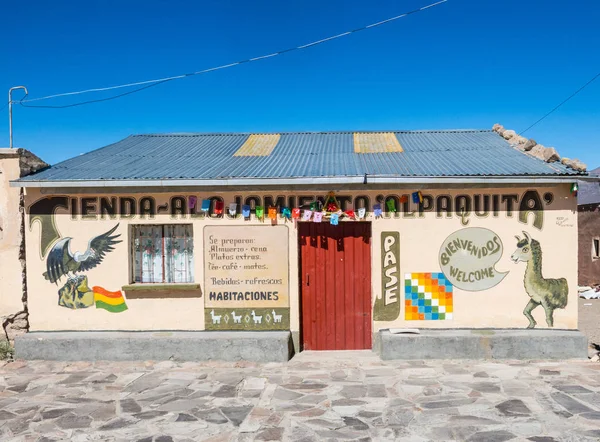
pixel 315 180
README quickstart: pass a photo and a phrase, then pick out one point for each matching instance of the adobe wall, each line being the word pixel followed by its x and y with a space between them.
pixel 14 163
pixel 589 228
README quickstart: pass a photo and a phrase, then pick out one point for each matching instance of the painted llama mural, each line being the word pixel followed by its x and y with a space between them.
pixel 549 293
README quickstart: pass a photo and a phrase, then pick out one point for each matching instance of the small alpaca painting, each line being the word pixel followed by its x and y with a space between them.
pixel 549 293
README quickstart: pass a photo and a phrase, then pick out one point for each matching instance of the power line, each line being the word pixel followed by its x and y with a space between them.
pixel 149 83
pixel 563 102
pixel 93 101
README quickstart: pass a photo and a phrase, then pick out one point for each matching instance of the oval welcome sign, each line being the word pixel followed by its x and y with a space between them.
pixel 468 258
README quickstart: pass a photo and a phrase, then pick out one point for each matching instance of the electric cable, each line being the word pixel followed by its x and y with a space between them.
pixel 148 86
pixel 562 102
pixel 150 83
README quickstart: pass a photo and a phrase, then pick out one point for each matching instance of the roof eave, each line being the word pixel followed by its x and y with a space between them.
pixel 271 182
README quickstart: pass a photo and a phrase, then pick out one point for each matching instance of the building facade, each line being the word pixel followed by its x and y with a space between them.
pixel 14 164
pixel 332 236
pixel 588 208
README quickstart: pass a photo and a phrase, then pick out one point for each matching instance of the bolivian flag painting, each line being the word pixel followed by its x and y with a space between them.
pixel 111 301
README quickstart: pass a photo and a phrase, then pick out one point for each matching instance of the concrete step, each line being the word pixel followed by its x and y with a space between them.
pixel 264 346
pixel 483 344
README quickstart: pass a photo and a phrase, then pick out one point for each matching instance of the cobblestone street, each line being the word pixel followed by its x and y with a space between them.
pixel 324 396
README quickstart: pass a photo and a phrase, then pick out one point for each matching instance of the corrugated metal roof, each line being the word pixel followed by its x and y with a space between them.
pixel 589 193
pixel 450 153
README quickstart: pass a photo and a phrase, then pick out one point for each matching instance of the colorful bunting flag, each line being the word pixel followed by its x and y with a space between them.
pixel 403 199
pixel 295 213
pixel 417 197
pixel 219 206
pixel 306 215
pixel 362 212
pixel 232 209
pixel 391 205
pixel 334 219
pixel 260 212
pixel 192 200
pixel 313 206
pixel 377 210
pixel 331 204
pixel 205 205
pixel 272 212
pixel 287 213
pixel 350 214
pixel 246 211
pixel 318 217
pixel 574 189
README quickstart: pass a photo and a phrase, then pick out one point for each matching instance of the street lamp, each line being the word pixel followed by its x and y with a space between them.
pixel 10 102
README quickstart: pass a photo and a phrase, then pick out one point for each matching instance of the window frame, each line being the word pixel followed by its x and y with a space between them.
pixel 595 250
pixel 132 252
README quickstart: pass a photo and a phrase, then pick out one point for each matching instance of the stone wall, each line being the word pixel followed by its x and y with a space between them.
pixel 14 163
pixel 589 228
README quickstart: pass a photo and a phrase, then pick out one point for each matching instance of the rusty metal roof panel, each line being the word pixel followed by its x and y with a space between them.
pixel 311 154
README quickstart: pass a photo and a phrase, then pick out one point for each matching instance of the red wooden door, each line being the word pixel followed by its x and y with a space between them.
pixel 335 278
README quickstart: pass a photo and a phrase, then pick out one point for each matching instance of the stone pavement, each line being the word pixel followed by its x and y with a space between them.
pixel 314 397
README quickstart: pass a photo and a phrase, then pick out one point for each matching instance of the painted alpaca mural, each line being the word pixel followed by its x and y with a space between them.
pixel 549 293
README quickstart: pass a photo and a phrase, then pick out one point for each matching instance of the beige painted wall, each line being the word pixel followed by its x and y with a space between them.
pixel 420 240
pixel 500 306
pixel 10 238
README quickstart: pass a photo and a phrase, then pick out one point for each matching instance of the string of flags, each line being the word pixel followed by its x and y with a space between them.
pixel 316 211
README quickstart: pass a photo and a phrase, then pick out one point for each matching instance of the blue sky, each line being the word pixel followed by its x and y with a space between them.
pixel 464 64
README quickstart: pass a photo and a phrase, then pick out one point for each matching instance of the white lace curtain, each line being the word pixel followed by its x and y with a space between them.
pixel 163 254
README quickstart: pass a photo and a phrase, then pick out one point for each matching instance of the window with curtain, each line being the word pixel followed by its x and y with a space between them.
pixel 163 253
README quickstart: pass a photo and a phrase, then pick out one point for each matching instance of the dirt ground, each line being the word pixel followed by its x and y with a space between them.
pixel 589 319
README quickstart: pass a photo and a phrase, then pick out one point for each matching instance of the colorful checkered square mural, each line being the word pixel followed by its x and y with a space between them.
pixel 427 296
